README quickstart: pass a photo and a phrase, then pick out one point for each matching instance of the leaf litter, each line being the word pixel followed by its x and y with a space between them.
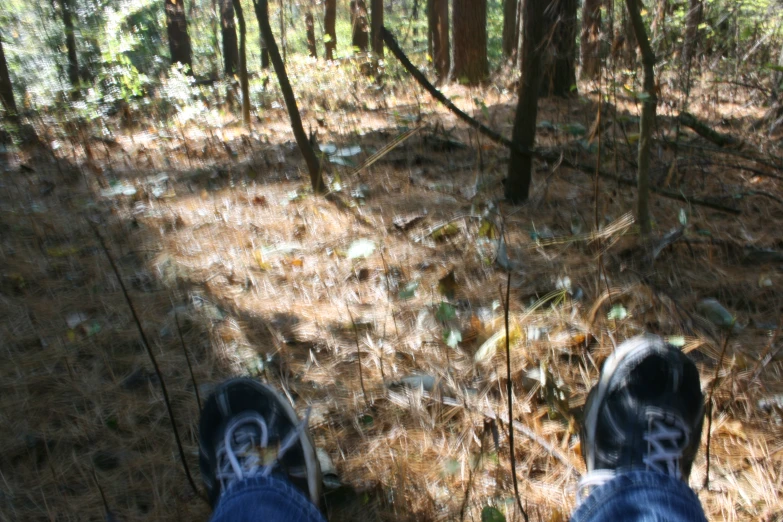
pixel 261 284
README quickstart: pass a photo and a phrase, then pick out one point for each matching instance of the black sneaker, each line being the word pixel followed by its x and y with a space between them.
pixel 645 412
pixel 247 429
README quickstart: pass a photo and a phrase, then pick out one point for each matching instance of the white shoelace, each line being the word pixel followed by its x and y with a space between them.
pixel 242 455
pixel 666 438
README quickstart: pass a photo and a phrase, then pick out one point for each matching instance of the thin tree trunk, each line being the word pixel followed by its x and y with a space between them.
pixel 647 120
pixel 310 26
pixel 283 39
pixel 377 24
pixel 330 33
pixel 6 89
pixel 591 39
pixel 470 41
pixel 313 165
pixel 692 20
pixel 264 52
pixel 177 28
pixel 629 37
pixel 229 34
pixel 70 44
pixel 520 166
pixel 510 27
pixel 360 39
pixel 560 68
pixel 243 81
pixel 438 18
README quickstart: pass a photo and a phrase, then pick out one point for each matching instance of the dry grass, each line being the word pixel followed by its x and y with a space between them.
pixel 262 286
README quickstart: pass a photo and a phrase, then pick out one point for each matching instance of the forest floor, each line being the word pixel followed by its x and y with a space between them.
pixel 340 303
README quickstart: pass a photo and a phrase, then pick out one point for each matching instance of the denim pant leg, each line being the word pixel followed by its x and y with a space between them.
pixel 262 499
pixel 641 496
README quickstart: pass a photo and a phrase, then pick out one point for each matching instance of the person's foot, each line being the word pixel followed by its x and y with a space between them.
pixel 646 412
pixel 247 429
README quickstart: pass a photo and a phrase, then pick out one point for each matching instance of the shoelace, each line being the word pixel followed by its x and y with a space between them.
pixel 240 457
pixel 666 438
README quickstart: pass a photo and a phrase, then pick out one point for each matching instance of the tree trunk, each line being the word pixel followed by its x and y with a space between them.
pixel 264 52
pixel 377 23
pixel 591 39
pixel 470 41
pixel 692 20
pixel 70 44
pixel 313 165
pixel 229 33
pixel 360 39
pixel 534 32
pixel 177 28
pixel 310 26
pixel 330 34
pixel 6 89
pixel 438 22
pixel 629 39
pixel 510 27
pixel 647 120
pixel 560 66
pixel 243 81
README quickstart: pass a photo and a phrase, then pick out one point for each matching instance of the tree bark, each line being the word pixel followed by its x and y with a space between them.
pixel 229 34
pixel 520 166
pixel 647 121
pixel 560 68
pixel 692 20
pixel 243 81
pixel 313 165
pixel 310 26
pixel 330 33
pixel 6 88
pixel 510 28
pixel 264 52
pixel 177 28
pixel 591 39
pixel 438 22
pixel 470 41
pixel 70 44
pixel 377 25
pixel 360 39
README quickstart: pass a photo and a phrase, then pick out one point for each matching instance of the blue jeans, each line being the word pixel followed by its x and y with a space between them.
pixel 262 499
pixel 641 496
pixel 638 496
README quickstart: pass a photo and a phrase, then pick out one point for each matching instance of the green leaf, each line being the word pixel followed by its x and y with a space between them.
pixel 617 313
pixel 773 67
pixel 715 312
pixel 361 248
pixel 575 129
pixel 452 337
pixel 409 290
pixel 492 514
pixel 444 231
pixel 683 217
pixel 445 312
pixel 676 340
pixel 488 230
pixel 451 467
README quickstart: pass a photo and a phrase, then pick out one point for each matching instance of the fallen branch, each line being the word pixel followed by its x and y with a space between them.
pixel 718 138
pixel 391 43
pixel 731 152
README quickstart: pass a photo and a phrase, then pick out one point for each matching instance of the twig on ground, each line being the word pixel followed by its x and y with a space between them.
pixel 509 394
pixel 187 358
pixel 358 355
pixel 154 361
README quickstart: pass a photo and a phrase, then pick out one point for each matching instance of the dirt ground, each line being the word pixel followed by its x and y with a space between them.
pixel 231 263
